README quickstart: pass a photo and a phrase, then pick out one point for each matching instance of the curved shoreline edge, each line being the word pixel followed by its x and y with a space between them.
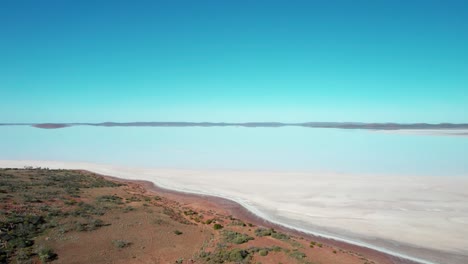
pixel 258 214
pixel 392 256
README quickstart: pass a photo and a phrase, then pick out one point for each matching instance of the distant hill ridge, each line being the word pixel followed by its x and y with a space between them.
pixel 340 125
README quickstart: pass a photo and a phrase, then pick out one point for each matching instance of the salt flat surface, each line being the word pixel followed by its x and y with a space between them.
pixel 383 212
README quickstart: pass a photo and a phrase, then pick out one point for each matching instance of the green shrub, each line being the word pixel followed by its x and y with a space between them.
pixel 46 255
pixel 263 252
pixel 261 232
pixel 280 236
pixel 237 255
pixel 217 226
pixel 235 237
pixel 177 232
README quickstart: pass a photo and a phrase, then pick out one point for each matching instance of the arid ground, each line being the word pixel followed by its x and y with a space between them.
pixel 67 216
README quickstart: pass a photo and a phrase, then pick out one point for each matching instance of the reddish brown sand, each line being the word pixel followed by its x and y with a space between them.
pixel 345 252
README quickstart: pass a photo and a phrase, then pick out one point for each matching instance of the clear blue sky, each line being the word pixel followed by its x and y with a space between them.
pixel 370 61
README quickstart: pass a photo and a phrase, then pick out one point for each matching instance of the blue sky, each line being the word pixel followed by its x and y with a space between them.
pixel 290 61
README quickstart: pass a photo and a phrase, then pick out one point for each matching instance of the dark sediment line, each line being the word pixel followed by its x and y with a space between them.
pixel 50 126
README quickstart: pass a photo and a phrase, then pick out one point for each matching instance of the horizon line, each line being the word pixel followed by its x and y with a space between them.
pixel 339 125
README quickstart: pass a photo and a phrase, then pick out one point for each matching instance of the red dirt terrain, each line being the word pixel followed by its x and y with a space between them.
pixel 81 217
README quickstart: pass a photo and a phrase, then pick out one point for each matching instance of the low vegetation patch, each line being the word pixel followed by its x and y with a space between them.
pixel 217 226
pixel 235 255
pixel 235 237
pixel 37 200
pixel 261 232
pixel 121 243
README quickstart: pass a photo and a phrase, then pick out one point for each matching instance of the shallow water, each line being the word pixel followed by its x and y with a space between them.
pixel 400 192
pixel 288 148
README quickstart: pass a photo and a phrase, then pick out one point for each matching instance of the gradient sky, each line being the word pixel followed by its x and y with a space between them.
pixel 290 61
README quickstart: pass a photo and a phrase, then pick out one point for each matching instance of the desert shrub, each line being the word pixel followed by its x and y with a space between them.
pixel 235 237
pixel 263 252
pixel 237 255
pixel 110 199
pixel 46 255
pixel 217 226
pixel 280 236
pixel 177 232
pixel 238 223
pixel 128 209
pixel 261 232
pixel 297 255
pixel 69 202
pixel 90 224
pixel 190 212
pixel 209 221
pixel 121 243
pixel 222 255
pixel 276 248
pixel 134 199
pixel 86 210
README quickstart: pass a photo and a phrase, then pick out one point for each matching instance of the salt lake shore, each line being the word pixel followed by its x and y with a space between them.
pixel 382 237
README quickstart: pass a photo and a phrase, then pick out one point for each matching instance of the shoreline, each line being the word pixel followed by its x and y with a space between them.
pixel 245 211
pixel 239 211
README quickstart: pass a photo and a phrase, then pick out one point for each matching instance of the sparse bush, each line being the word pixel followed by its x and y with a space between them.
pixel 261 232
pixel 276 248
pixel 280 236
pixel 235 237
pixel 110 199
pixel 217 226
pixel 238 223
pixel 177 232
pixel 190 212
pixel 237 255
pixel 121 243
pixel 46 255
pixel 128 209
pixel 263 252
pixel 297 255
pixel 90 224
